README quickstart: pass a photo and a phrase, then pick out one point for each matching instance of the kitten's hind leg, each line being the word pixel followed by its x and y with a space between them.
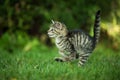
pixel 83 58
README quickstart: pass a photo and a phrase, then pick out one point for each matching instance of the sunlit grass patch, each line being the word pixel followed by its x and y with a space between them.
pixel 39 64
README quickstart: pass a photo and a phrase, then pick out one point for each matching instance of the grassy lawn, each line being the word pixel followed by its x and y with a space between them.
pixel 38 64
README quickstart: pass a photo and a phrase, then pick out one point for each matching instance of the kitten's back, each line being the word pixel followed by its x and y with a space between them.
pixel 80 40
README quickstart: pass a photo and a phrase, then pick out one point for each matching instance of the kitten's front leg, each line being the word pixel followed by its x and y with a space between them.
pixel 70 57
pixel 60 59
pixel 63 58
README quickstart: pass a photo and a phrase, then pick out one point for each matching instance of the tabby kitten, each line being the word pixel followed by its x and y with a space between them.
pixel 74 44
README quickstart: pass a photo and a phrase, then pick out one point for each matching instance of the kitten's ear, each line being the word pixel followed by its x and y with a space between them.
pixel 59 25
pixel 52 21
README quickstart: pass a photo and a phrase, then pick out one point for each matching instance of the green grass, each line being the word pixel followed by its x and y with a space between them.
pixel 38 64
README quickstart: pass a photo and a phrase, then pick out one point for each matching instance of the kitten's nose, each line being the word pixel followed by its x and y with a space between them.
pixel 48 31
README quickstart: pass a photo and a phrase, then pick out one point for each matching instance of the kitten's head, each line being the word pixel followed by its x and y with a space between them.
pixel 57 29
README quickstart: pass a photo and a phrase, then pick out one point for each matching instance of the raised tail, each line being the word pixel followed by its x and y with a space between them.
pixel 96 28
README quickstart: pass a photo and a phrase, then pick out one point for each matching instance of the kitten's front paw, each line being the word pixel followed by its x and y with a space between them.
pixel 58 59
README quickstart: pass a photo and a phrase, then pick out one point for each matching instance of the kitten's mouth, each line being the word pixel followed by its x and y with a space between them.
pixel 50 35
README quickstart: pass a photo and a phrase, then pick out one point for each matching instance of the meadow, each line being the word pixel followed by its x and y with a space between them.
pixel 38 64
pixel 24 51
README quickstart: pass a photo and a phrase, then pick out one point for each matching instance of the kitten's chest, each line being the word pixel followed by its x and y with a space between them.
pixel 57 42
pixel 61 42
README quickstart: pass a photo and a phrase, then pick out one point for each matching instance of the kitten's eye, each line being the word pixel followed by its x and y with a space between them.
pixel 51 29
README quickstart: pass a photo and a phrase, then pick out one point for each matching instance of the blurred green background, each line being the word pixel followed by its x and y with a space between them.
pixel 26 52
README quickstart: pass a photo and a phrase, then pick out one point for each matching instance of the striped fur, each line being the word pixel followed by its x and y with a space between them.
pixel 74 44
pixel 97 28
